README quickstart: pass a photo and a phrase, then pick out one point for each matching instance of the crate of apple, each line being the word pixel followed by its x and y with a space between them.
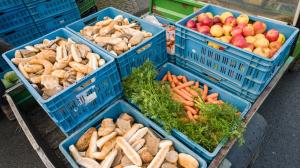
pixel 240 32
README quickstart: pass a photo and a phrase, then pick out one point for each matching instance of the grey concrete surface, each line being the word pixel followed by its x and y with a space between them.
pixel 15 149
pixel 282 112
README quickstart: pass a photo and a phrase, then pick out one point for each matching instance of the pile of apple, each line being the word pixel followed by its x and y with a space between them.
pixel 240 32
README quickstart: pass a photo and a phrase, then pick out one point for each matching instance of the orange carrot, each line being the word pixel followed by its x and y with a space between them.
pixel 213 96
pixel 192 92
pixel 178 98
pixel 179 77
pixel 188 108
pixel 187 84
pixel 184 80
pixel 196 117
pixel 169 76
pixel 197 85
pixel 175 79
pixel 204 93
pixel 165 78
pixel 180 93
pixel 173 84
pixel 190 115
pixel 186 92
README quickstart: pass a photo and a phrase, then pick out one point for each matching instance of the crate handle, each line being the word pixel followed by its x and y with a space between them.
pixel 88 22
pixel 55 17
pixel 144 48
pixel 213 78
pixel 10 32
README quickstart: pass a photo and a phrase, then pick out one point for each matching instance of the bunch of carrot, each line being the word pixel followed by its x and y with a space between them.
pixel 186 91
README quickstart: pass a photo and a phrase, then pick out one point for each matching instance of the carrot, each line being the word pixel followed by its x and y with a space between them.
pixel 180 93
pixel 190 115
pixel 188 108
pixel 184 80
pixel 196 117
pixel 187 84
pixel 178 98
pixel 192 92
pixel 204 93
pixel 186 92
pixel 173 84
pixel 169 76
pixel 165 78
pixel 175 79
pixel 210 100
pixel 179 77
pixel 196 85
pixel 213 96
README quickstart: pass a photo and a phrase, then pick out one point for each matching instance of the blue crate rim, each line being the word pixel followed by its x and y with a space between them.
pixel 35 93
pixel 140 45
pixel 54 16
pixel 178 24
pixel 96 120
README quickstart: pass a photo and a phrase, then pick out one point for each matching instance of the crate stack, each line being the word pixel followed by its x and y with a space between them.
pixel 50 15
pixel 16 24
pixel 86 7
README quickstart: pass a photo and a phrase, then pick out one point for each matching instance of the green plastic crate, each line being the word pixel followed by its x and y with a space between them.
pixel 174 9
pixel 85 5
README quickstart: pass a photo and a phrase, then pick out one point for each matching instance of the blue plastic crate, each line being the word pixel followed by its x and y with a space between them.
pixel 52 23
pixel 241 104
pixel 74 105
pixel 114 111
pixel 171 57
pixel 13 18
pixel 47 8
pixel 237 69
pixel 21 35
pixel 7 4
pixel 153 48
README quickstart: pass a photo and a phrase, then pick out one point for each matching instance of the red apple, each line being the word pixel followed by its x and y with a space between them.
pixel 272 35
pixel 216 31
pixel 225 15
pixel 261 42
pixel 236 31
pixel 201 17
pixel 249 47
pixel 210 15
pixel 217 19
pixel 264 52
pixel 227 29
pixel 281 38
pixel 238 41
pixel 259 27
pixel 272 52
pixel 191 24
pixel 198 25
pixel 248 30
pixel 250 39
pixel 243 18
pixel 275 45
pixel 241 25
pixel 230 20
pixel 203 29
pixel 225 39
pixel 207 22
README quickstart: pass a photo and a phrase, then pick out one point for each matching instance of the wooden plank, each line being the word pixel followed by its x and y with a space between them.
pixel 28 134
pixel 225 150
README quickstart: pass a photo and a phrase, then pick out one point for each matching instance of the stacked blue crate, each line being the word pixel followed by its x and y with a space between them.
pixel 16 25
pixel 13 19
pixel 50 15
